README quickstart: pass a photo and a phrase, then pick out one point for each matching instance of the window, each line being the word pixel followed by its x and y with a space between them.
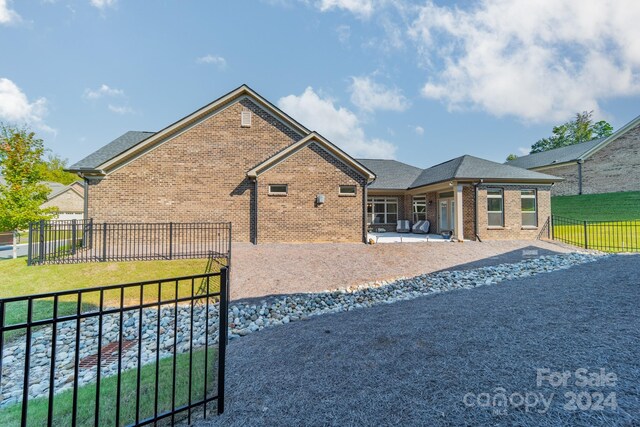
pixel 382 210
pixel 278 189
pixel 347 190
pixel 419 208
pixel 528 204
pixel 495 207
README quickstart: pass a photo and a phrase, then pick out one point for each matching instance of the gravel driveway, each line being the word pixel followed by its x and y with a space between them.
pixel 277 269
pixel 417 362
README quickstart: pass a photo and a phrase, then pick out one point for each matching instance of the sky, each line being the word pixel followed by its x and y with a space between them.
pixel 419 81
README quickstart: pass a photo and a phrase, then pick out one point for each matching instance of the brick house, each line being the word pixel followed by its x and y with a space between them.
pixel 69 199
pixel 605 165
pixel 241 159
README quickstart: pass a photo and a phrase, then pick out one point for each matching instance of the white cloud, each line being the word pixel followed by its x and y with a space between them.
pixel 419 130
pixel 7 15
pixel 370 96
pixel 218 61
pixel 120 109
pixel 361 8
pixel 338 124
pixel 103 4
pixel 103 91
pixel 537 60
pixel 524 151
pixel 16 108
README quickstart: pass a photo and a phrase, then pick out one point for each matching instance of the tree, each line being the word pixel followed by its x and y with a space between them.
pixel 52 170
pixel 511 157
pixel 22 193
pixel 581 129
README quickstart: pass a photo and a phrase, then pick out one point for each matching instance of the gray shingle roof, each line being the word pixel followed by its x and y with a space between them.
pixel 394 175
pixel 391 174
pixel 470 167
pixel 559 155
pixel 111 150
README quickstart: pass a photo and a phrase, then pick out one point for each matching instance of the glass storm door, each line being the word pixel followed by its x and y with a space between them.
pixel 447 214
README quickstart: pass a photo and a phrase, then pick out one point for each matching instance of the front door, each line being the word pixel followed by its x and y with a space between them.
pixel 447 214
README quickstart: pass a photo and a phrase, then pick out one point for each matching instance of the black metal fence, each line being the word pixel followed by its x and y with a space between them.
pixel 607 236
pixel 75 241
pixel 133 354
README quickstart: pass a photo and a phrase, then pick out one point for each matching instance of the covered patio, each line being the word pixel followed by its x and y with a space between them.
pixel 393 237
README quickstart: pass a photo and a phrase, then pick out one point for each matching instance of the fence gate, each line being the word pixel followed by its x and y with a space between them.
pixel 133 354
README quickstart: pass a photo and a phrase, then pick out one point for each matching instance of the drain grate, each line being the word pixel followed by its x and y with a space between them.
pixel 109 354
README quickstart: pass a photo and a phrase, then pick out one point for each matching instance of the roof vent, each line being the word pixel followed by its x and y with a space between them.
pixel 245 118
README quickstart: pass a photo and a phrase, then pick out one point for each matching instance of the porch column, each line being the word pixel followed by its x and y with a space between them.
pixel 459 228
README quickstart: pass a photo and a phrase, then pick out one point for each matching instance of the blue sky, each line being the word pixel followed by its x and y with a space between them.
pixel 421 82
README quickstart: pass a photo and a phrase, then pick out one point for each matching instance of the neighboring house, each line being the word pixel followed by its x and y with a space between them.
pixel 605 165
pixel 241 159
pixel 69 199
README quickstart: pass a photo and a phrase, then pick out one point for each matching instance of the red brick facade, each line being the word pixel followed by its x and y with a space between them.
pixel 201 175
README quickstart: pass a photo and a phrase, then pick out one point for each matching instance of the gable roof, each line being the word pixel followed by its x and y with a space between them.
pixel 470 167
pixel 111 150
pixel 313 137
pixel 59 189
pixel 391 174
pixel 571 153
pixel 132 146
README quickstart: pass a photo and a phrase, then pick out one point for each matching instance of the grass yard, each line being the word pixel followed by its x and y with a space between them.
pixel 18 279
pixel 613 220
pixel 598 207
pixel 37 409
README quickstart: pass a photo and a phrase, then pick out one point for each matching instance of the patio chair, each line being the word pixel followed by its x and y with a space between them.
pixel 421 227
pixel 403 226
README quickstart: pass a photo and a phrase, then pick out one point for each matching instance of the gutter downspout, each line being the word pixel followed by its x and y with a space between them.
pixel 364 213
pixel 86 198
pixel 475 210
pixel 580 162
pixel 255 210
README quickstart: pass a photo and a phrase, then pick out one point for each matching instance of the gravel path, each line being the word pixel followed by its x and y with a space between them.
pixel 276 269
pixel 415 362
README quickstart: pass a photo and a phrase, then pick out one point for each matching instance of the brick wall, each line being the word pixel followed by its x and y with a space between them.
pixel 296 217
pixel 614 168
pixel 512 213
pixel 569 186
pixel 468 212
pixel 69 201
pixel 197 175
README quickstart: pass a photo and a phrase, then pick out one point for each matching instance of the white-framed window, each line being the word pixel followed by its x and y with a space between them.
pixel 419 208
pixel 495 207
pixel 347 190
pixel 278 189
pixel 529 206
pixel 382 210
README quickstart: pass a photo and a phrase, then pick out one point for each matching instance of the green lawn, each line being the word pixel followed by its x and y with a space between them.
pixel 19 279
pixel 598 207
pixel 613 220
pixel 37 408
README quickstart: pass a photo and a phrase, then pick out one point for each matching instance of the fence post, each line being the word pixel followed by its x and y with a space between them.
pixel 74 227
pixel 223 334
pixel 104 241
pixel 170 240
pixel 41 235
pixel 551 227
pixel 586 241
pixel 29 248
